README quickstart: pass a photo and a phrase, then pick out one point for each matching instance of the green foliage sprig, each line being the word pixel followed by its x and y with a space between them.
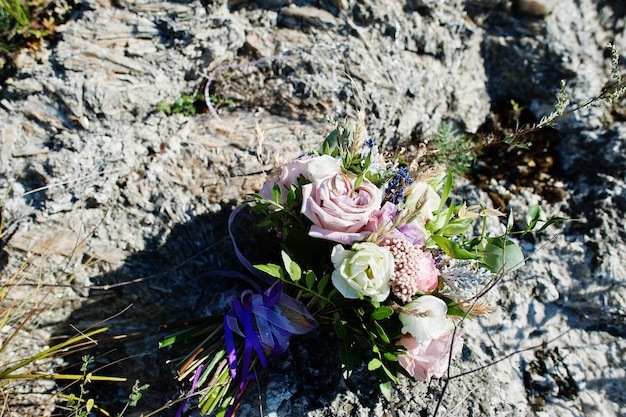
pixel 458 151
pixel 455 150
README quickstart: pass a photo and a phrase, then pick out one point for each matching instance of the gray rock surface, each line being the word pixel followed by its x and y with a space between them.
pixel 137 200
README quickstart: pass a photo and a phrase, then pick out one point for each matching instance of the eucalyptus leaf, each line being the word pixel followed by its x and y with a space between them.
pixel 502 254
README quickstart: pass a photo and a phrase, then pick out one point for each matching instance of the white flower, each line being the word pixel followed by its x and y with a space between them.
pixel 421 192
pixel 323 166
pixel 362 272
pixel 423 200
pixel 427 319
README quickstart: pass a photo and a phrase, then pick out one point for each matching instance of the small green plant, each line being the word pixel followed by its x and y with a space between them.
pixel 24 24
pixel 81 405
pixel 185 104
pixel 134 397
pixel 220 102
pixel 608 95
pixel 18 20
pixel 458 151
pixel 189 105
pixel 455 150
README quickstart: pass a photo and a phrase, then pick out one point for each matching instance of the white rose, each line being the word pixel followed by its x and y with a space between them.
pixel 323 166
pixel 362 272
pixel 424 193
pixel 427 319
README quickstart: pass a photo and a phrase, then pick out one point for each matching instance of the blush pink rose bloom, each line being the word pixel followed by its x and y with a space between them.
pixel 341 212
pixel 310 167
pixel 429 359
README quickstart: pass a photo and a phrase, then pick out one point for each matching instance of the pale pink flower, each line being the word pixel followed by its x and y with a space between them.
pixel 383 217
pixel 311 167
pixel 429 359
pixel 414 233
pixel 340 211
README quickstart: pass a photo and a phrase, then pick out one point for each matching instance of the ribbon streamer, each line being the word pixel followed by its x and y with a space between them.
pixel 266 322
pixel 191 391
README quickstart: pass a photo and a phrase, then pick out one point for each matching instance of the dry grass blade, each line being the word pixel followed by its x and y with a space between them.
pixel 34 287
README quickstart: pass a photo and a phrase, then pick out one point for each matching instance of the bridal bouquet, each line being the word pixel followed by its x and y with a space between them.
pixel 368 245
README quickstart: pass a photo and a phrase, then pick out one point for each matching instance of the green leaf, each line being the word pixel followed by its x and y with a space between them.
pixel 310 279
pixel 457 227
pixel 509 224
pixel 321 285
pixel 553 220
pixel 276 193
pixel 390 374
pixel 89 405
pixel 347 359
pixel 374 364
pixel 291 196
pixel 292 268
pixel 368 161
pixel 532 217
pixel 391 357
pixel 453 249
pixel 272 269
pixel 381 332
pixel 502 254
pixel 446 190
pixel 455 310
pixel 385 389
pixel 382 312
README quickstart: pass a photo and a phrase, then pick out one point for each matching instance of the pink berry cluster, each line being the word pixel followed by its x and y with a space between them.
pixel 414 270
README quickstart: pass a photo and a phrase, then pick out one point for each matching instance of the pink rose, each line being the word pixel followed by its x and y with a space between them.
pixel 340 211
pixel 287 176
pixel 310 167
pixel 427 359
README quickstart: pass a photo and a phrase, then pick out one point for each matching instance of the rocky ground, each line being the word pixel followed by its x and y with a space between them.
pixel 119 207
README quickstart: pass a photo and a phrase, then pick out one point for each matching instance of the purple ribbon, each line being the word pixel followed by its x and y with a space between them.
pixel 261 320
pixel 245 262
pixel 266 320
pixel 196 377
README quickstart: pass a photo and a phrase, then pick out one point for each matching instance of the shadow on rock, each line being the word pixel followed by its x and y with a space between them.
pixel 160 290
